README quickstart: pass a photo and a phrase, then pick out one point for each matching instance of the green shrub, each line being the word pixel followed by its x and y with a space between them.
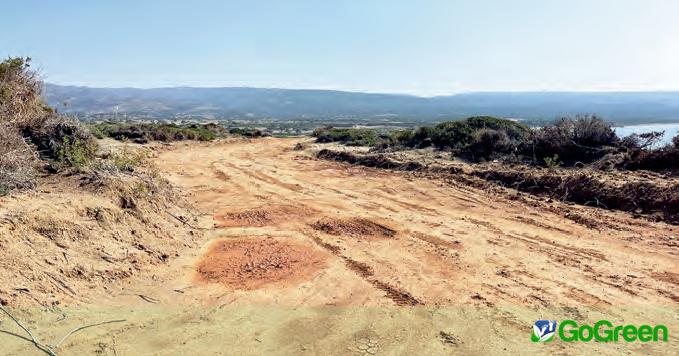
pixel 73 154
pixel 143 133
pixel 552 162
pixel 320 131
pixel 126 161
pixel 458 134
pixel 347 136
pixel 247 132
pixel 402 138
pixel 420 137
pixel 96 131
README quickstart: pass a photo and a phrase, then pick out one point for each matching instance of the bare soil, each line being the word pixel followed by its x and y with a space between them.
pixel 376 262
pixel 254 262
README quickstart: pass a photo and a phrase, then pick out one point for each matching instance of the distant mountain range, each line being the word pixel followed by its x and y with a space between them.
pixel 260 103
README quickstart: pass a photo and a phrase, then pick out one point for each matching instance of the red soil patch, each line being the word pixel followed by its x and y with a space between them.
pixel 252 263
pixel 260 216
pixel 356 227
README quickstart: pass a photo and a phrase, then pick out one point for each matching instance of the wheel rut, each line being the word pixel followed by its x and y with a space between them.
pixel 399 296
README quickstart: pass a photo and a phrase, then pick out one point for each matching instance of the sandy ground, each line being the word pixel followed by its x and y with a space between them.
pixel 372 262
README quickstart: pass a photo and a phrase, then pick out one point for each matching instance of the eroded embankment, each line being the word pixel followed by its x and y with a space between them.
pixel 77 239
pixel 656 199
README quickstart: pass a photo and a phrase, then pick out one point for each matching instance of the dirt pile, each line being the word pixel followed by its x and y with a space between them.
pixel 256 262
pixel 355 227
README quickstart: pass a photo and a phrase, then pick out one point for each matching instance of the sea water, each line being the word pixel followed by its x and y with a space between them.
pixel 671 130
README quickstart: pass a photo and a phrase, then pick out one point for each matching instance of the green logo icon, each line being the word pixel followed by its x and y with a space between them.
pixel 543 331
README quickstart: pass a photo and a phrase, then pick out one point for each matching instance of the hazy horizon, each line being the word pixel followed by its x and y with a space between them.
pixel 427 48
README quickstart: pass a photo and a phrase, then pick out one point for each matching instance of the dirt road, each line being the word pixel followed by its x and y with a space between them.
pixel 309 256
pixel 440 236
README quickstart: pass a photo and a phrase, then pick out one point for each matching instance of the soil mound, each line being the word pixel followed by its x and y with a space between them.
pixel 357 227
pixel 253 263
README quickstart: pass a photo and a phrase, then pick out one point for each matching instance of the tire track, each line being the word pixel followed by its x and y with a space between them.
pixel 398 296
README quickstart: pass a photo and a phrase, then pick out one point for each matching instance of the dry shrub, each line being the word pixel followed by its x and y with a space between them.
pixel 486 143
pixel 19 93
pixel 31 131
pixel 662 159
pixel 378 161
pixel 17 162
pixel 20 102
pixel 583 139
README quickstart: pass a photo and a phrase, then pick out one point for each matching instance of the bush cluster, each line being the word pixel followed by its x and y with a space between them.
pixel 566 141
pixel 476 138
pixel 146 132
pixel 347 136
pixel 459 134
pixel 247 132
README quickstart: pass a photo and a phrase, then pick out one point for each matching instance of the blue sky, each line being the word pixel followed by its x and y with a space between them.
pixel 418 47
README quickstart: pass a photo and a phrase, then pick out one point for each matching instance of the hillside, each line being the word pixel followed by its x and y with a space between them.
pixel 244 103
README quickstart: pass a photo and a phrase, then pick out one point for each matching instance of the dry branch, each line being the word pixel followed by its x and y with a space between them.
pixel 49 350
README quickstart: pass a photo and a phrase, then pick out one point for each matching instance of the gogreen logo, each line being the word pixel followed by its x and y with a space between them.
pixel 601 331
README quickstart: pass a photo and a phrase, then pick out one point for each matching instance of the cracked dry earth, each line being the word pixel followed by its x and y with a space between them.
pixel 303 256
